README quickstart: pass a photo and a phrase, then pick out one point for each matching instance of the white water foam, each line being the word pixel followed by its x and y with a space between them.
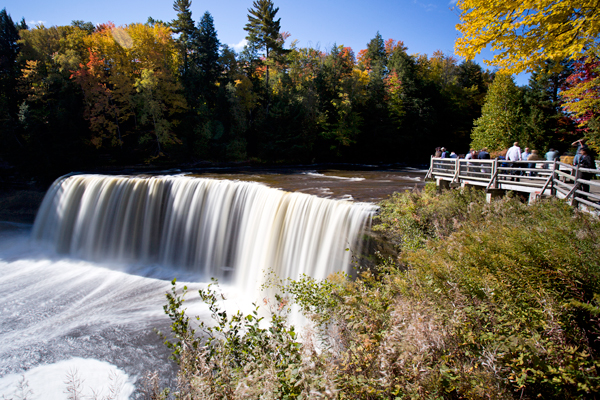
pixel 90 378
pixel 351 179
pixel 91 284
pixel 57 309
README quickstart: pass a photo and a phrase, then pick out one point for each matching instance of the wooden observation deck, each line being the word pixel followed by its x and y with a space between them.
pixel 538 179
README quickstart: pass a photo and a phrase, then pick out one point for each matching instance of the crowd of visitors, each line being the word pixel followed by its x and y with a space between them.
pixel 514 168
pixel 515 155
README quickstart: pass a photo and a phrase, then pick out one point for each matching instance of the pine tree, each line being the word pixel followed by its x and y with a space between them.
pixel 376 56
pixel 263 29
pixel 207 55
pixel 184 26
pixel 545 121
pixel 501 118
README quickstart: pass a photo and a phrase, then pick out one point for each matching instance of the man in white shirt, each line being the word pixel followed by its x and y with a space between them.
pixel 514 154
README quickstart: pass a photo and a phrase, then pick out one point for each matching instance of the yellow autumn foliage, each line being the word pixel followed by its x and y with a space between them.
pixel 525 33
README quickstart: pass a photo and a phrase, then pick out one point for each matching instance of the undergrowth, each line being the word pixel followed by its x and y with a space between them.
pixel 485 301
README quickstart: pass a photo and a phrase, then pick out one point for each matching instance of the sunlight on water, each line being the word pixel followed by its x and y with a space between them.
pixel 84 288
pixel 216 228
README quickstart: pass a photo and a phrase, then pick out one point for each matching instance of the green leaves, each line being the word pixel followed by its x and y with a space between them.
pixel 234 348
pixel 501 121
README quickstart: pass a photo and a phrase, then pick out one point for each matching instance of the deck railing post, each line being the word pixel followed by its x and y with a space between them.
pixel 495 173
pixel 456 169
pixel 576 183
pixel 552 189
pixel 430 172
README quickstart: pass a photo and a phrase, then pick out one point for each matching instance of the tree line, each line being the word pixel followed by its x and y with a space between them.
pixel 81 96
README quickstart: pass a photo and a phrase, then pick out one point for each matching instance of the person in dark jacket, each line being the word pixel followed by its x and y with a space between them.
pixel 586 160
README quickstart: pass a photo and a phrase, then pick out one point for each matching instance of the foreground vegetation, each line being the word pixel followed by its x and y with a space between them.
pixel 495 300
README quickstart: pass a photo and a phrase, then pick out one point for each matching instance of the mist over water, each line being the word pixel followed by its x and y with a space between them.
pixel 85 287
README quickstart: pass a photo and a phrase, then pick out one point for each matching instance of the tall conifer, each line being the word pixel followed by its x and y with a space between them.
pixel 9 71
pixel 501 121
pixel 184 26
pixel 263 29
pixel 207 56
pixel 377 56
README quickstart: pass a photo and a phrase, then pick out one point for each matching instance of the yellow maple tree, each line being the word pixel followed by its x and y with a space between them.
pixel 524 33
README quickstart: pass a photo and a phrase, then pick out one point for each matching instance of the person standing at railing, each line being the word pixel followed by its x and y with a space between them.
pixel 470 156
pixel 514 155
pixel 484 155
pixel 552 155
pixel 586 161
pixel 579 143
pixel 534 156
pixel 524 156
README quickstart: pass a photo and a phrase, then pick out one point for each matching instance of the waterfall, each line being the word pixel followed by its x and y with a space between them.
pixel 218 228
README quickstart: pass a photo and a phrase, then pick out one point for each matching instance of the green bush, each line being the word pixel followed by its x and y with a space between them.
pixel 239 356
pixel 489 301
pixel 492 300
pixel 410 219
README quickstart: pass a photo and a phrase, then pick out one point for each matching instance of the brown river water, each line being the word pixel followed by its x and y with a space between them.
pixel 363 185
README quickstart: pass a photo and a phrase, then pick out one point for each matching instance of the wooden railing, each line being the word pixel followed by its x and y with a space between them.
pixel 539 178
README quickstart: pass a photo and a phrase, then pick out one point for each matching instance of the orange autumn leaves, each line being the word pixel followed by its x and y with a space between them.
pixel 129 82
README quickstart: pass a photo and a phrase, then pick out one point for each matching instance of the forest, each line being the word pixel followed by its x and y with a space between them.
pixel 169 93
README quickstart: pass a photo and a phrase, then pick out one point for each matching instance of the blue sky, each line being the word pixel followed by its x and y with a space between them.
pixel 424 26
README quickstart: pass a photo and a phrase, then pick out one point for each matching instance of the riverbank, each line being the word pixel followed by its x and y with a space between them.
pixel 497 300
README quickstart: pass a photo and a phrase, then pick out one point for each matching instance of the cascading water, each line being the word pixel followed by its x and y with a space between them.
pixel 218 228
pixel 120 240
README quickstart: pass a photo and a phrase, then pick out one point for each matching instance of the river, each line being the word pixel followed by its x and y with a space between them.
pixel 74 315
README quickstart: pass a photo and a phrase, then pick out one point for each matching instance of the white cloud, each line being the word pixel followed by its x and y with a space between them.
pixel 240 46
pixel 453 2
pixel 426 6
pixel 36 23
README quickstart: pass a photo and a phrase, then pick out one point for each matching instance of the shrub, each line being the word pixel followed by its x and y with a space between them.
pixel 239 356
pixel 490 301
pixel 493 301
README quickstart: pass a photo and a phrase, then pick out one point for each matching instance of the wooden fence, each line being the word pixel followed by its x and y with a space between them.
pixel 538 178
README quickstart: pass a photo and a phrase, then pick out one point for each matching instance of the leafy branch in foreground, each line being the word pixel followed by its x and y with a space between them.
pixel 238 356
pixel 492 301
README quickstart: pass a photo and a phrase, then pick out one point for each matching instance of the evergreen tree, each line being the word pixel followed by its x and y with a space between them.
pixel 263 29
pixel 378 122
pixel 184 26
pixel 207 56
pixel 377 57
pixel 84 26
pixel 545 122
pixel 501 118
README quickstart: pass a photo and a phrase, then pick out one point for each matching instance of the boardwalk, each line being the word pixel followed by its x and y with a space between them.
pixel 538 179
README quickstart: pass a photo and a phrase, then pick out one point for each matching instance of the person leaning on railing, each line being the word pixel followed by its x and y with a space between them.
pixel 534 156
pixel 514 155
pixel 586 160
